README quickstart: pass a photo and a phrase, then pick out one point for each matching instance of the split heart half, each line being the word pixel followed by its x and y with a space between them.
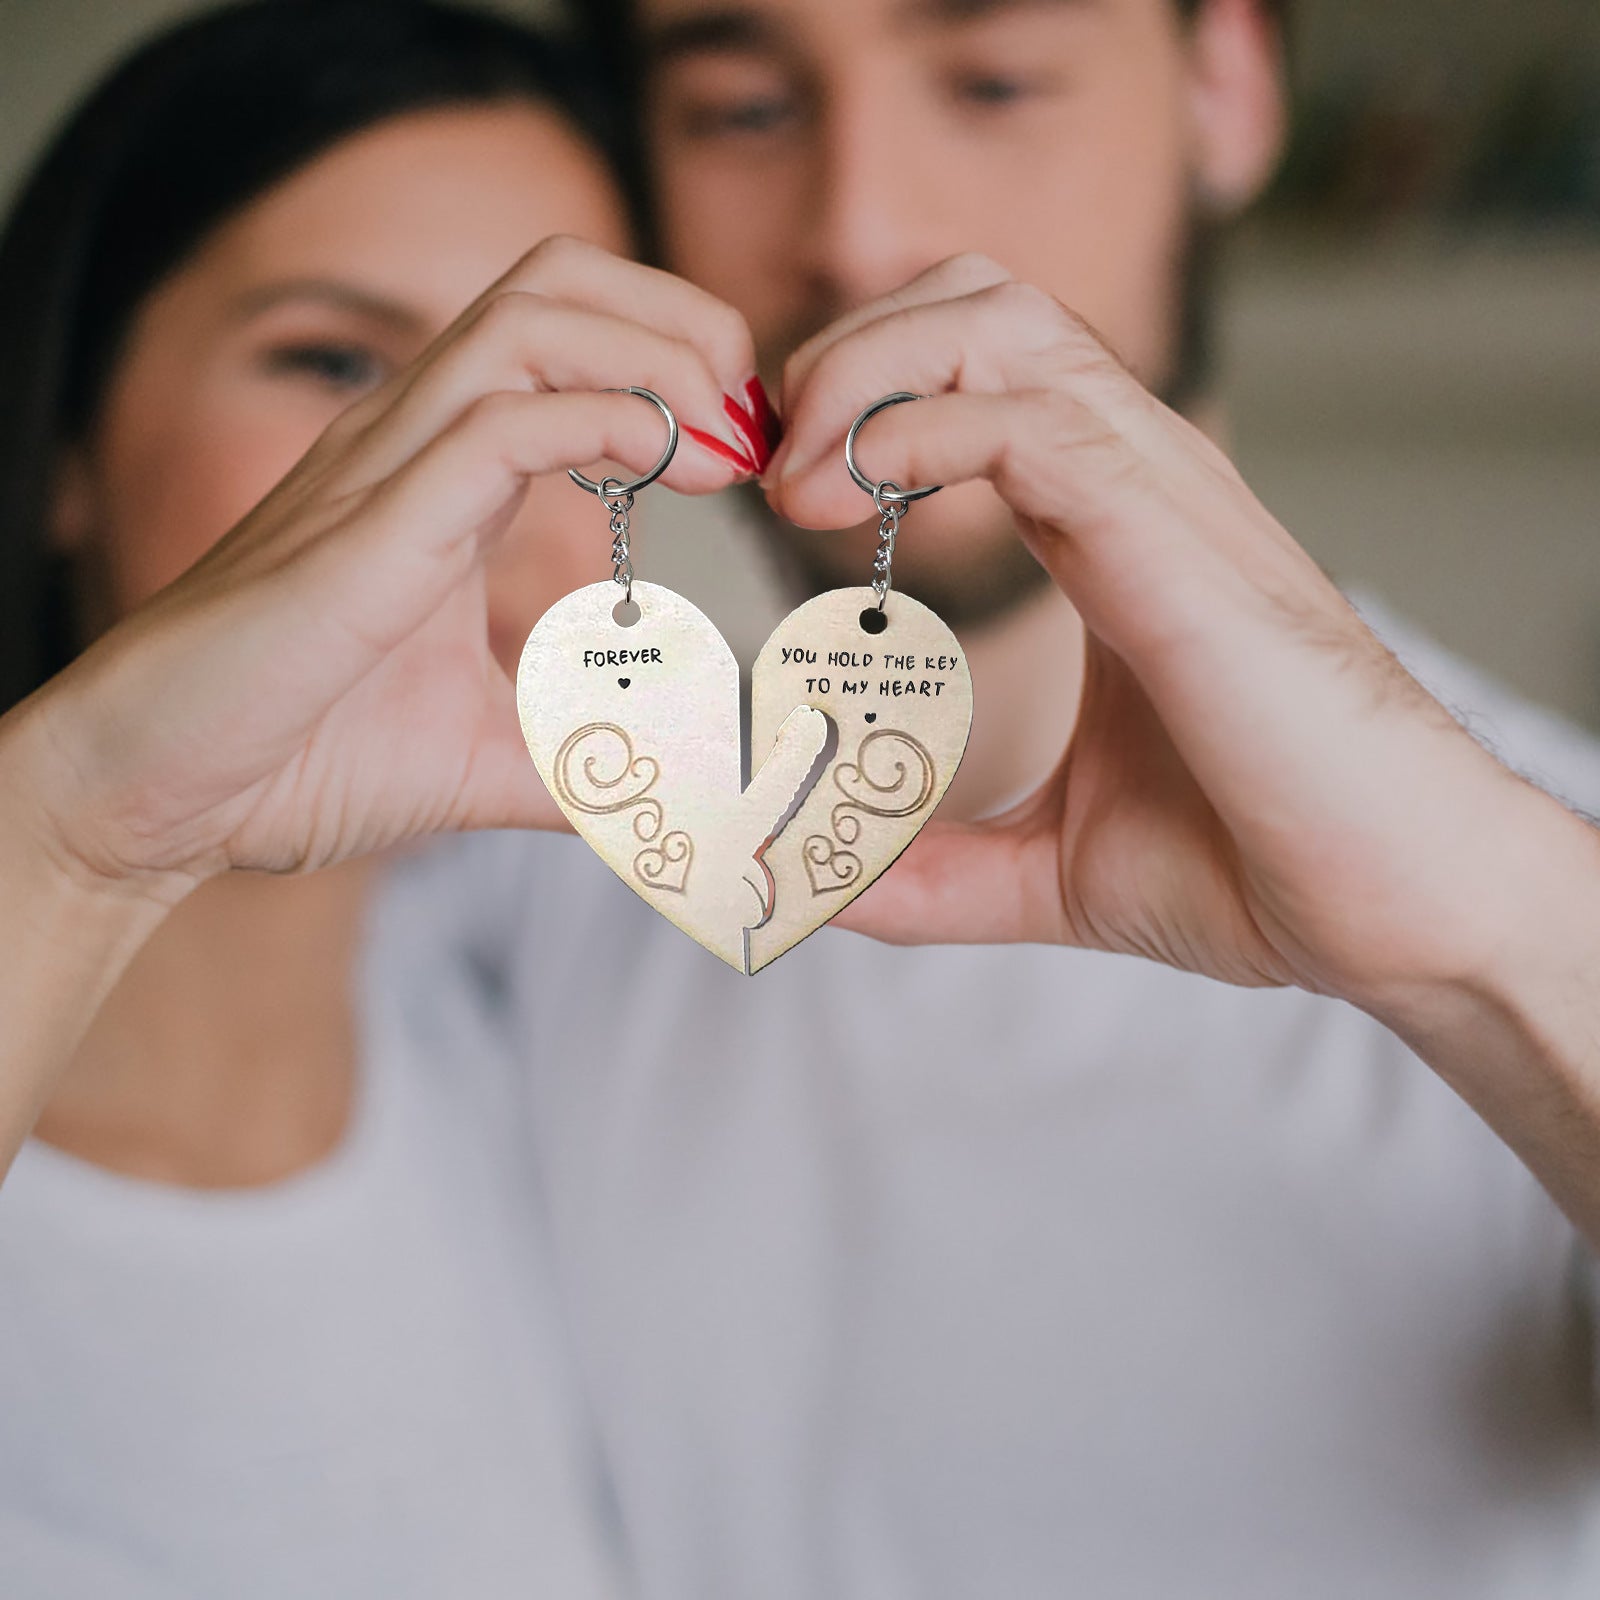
pixel 854 738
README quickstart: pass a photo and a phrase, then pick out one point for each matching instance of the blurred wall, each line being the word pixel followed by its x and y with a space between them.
pixel 1413 325
pixel 1426 420
pixel 1411 334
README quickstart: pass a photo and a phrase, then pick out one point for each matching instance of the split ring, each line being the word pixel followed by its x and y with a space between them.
pixel 612 488
pixel 885 491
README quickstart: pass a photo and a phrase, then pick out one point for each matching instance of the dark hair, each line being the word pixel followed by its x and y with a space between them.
pixel 187 131
pixel 1278 10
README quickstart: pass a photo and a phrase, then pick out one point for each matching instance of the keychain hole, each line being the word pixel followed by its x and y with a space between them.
pixel 625 613
pixel 873 620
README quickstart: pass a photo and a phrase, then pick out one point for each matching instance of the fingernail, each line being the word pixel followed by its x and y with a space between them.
pixel 754 438
pixel 792 462
pixel 778 466
pixel 763 413
pixel 723 452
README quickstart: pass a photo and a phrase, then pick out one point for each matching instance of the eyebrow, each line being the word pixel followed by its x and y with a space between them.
pixel 952 11
pixel 734 28
pixel 330 292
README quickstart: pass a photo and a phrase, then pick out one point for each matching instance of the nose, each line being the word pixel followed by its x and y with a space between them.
pixel 875 203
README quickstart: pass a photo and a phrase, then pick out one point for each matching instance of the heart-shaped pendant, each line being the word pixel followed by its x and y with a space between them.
pixel 896 690
pixel 647 766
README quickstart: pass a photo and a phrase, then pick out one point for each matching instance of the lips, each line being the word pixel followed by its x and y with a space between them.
pixel 756 426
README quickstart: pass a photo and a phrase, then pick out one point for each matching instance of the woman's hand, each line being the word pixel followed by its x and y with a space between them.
pixel 320 685
pixel 1255 789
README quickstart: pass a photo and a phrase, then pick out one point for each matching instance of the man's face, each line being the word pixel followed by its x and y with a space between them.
pixel 810 155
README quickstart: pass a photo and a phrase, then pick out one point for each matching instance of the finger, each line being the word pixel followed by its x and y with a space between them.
pixel 582 274
pixel 947 439
pixel 1007 337
pixel 502 788
pixel 956 278
pixel 360 588
pixel 529 342
pixel 963 883
pixel 1138 534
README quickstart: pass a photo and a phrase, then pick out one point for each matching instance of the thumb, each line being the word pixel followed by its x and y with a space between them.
pixel 963 883
pixel 502 788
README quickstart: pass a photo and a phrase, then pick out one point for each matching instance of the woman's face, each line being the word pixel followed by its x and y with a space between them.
pixel 299 305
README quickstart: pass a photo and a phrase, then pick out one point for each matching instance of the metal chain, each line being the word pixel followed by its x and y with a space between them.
pixel 621 559
pixel 891 507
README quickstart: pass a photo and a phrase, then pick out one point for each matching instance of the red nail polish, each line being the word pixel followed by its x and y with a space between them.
pixel 723 452
pixel 763 413
pixel 753 437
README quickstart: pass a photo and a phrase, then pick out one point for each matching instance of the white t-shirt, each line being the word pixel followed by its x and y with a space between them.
pixel 953 1272
pixel 353 1384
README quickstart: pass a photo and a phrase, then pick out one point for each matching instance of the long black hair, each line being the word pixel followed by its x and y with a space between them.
pixel 186 132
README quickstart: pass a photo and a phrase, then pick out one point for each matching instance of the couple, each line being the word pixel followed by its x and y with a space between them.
pixel 409 1210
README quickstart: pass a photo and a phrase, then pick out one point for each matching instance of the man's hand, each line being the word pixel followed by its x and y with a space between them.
pixel 1255 790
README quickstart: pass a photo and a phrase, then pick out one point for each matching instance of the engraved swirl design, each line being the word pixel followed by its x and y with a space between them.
pixel 597 773
pixel 891 776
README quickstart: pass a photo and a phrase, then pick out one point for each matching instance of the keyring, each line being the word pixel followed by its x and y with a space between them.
pixel 884 491
pixel 612 488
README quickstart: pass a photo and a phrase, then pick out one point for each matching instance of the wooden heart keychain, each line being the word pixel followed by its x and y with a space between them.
pixel 861 703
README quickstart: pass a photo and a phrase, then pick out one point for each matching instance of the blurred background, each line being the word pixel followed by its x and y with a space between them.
pixel 1410 327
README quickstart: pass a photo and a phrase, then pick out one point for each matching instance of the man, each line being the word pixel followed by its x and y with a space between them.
pixel 1026 1271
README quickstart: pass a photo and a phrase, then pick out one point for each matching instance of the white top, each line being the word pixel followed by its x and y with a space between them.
pixel 960 1272
pixel 351 1384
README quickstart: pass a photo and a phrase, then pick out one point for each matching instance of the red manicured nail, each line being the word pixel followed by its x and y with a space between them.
pixel 760 452
pixel 762 413
pixel 723 452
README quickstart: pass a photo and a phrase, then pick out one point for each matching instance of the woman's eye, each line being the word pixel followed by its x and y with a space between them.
pixel 345 367
pixel 754 115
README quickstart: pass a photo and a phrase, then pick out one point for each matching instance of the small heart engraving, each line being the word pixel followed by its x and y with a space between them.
pixel 872 716
pixel 829 868
pixel 624 682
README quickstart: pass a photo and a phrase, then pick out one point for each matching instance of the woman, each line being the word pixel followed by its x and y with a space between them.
pixel 271 1310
